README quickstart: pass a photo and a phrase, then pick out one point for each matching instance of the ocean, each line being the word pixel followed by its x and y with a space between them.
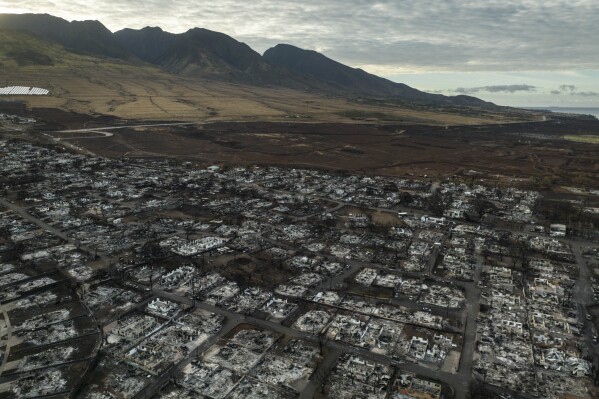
pixel 571 110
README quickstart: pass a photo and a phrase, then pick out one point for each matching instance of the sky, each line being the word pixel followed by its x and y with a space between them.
pixel 511 52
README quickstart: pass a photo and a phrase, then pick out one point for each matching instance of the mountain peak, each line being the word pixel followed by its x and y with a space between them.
pixel 283 46
pixel 152 29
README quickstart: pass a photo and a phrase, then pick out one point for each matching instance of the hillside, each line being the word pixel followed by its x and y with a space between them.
pixel 105 86
pixel 202 75
pixel 83 37
pixel 356 81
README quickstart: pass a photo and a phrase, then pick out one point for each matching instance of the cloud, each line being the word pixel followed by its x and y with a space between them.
pixel 496 89
pixel 565 89
pixel 573 91
pixel 429 35
pixel 568 88
pixel 585 94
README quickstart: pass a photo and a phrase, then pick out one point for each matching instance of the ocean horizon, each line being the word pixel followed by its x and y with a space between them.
pixel 570 110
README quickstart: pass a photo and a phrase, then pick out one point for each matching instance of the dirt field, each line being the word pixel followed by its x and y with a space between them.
pixel 517 150
pixel 542 153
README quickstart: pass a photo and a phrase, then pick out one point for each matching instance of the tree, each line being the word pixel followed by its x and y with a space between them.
pixel 21 195
pixel 482 206
pixel 152 249
pixel 518 250
pixel 406 198
pixel 4 232
pixel 438 202
pixel 15 251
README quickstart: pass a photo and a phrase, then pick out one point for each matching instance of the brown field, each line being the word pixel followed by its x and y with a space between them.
pixel 91 86
pixel 510 150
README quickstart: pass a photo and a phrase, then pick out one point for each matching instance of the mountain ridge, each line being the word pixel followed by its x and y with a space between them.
pixel 204 54
pixel 317 65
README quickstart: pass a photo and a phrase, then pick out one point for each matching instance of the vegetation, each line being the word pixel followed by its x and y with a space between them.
pixel 438 202
pixel 24 50
pixel 583 139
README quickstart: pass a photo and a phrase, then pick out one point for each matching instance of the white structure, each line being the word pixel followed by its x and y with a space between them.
pixel 23 91
pixel 454 213
pixel 163 307
pixel 557 230
pixel 433 220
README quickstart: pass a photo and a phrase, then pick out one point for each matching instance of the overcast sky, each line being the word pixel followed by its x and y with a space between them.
pixel 512 52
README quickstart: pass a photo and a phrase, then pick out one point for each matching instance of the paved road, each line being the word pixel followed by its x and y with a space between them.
pixel 8 331
pixel 103 133
pixel 473 295
pixel 321 373
pixel 583 296
pixel 100 134
pixel 96 129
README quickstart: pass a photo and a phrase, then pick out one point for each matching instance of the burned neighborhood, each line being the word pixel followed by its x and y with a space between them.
pixel 128 279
